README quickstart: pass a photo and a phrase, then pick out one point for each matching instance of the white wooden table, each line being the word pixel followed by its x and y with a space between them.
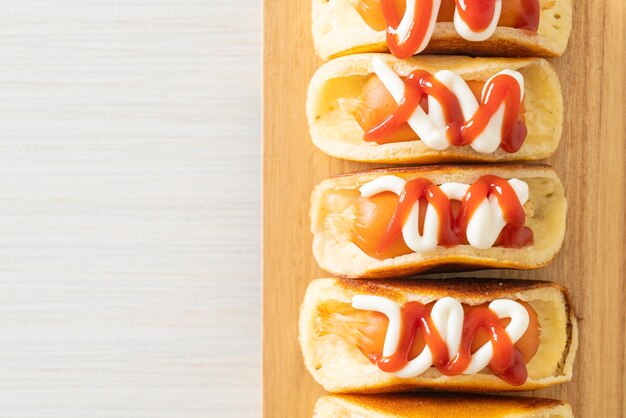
pixel 130 208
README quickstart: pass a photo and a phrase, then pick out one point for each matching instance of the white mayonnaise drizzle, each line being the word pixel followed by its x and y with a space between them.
pixel 431 126
pixel 448 316
pixel 462 28
pixel 410 15
pixel 483 227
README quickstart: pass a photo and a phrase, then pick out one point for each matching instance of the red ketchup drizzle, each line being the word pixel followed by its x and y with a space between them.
pixel 507 362
pixel 515 233
pixel 452 231
pixel 412 192
pixel 406 47
pixel 501 89
pixel 477 14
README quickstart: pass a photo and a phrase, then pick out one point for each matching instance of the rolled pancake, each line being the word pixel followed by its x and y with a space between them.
pixel 332 217
pixel 338 29
pixel 340 367
pixel 335 88
pixel 425 405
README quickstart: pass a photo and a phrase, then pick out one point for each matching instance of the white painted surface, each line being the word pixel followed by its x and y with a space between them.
pixel 129 208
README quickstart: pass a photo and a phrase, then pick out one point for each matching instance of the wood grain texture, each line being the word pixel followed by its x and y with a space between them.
pixel 590 162
pixel 129 208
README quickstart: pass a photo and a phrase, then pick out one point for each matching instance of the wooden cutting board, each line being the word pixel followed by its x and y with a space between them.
pixel 590 161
